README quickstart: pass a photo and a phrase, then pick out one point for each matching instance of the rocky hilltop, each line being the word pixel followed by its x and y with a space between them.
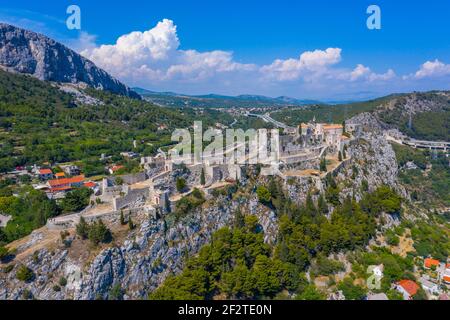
pixel 142 259
pixel 28 52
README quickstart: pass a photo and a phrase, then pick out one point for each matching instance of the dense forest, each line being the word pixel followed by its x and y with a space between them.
pixel 239 265
pixel 429 181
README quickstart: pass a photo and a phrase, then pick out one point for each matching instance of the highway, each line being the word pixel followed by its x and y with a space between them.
pixel 267 118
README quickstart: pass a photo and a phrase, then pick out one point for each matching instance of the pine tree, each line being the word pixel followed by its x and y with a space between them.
pixel 202 177
pixel 322 204
pixel 98 232
pixel 82 228
pixel 131 225
pixel 323 165
pixel 239 219
pixel 181 184
pixel 310 206
pixel 122 218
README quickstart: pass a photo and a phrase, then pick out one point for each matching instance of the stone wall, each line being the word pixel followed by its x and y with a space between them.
pixel 132 199
pixel 134 178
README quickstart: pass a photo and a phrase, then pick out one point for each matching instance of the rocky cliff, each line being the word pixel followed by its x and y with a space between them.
pixel 28 52
pixel 137 263
pixel 140 260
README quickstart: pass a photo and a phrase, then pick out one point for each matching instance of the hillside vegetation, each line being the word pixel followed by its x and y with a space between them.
pixel 39 123
pixel 429 113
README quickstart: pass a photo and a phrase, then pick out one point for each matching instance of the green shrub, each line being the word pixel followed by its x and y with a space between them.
pixel 8 268
pixel 264 195
pixel 351 291
pixel 62 282
pixel 99 233
pixel 27 295
pixel 181 185
pixel 4 252
pixel 24 274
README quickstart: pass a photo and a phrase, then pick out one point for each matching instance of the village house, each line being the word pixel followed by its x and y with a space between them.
pixel 115 169
pixel 129 155
pixel 60 175
pixel 430 263
pixel 65 184
pixel 446 276
pixel 45 174
pixel 430 287
pixel 71 170
pixel 407 288
pixel 93 186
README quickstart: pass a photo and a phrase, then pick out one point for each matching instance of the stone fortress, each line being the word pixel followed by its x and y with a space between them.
pixel 154 191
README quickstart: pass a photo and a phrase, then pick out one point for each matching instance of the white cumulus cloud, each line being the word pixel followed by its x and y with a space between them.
pixel 433 69
pixel 154 55
pixel 362 72
pixel 153 59
pixel 309 64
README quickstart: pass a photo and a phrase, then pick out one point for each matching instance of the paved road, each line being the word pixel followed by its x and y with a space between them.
pixel 267 118
pixel 421 143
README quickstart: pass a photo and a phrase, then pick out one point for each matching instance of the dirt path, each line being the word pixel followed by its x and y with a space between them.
pixel 39 239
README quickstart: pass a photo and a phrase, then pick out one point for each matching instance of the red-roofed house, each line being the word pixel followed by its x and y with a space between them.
pixel 90 184
pixel 446 276
pixel 114 169
pixel 45 174
pixel 60 175
pixel 66 184
pixel 430 263
pixel 408 288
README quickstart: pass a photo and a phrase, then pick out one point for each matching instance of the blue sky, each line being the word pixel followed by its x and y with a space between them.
pixel 307 49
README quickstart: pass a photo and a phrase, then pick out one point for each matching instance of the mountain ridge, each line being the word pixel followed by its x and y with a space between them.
pixel 28 52
pixel 177 99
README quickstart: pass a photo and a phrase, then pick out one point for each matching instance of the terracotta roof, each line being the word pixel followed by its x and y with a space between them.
pixel 90 184
pixel 117 168
pixel 332 126
pixel 60 175
pixel 431 262
pixel 410 286
pixel 60 189
pixel 447 279
pixel 66 181
pixel 45 171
